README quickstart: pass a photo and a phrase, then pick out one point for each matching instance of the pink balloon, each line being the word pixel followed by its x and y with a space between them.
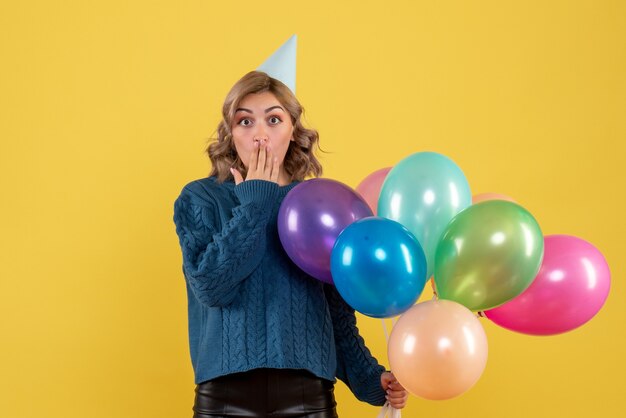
pixel 369 187
pixel 570 288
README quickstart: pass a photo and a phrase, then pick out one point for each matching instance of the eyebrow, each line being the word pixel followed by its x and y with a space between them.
pixel 266 110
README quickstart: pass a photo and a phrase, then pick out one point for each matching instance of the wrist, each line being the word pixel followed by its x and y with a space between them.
pixel 259 192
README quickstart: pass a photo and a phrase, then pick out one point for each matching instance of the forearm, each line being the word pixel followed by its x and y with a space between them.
pixel 217 258
pixel 355 364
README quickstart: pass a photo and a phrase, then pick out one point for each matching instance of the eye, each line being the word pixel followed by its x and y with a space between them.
pixel 244 122
pixel 274 120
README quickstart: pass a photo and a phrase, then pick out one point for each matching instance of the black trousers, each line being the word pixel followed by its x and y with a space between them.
pixel 278 393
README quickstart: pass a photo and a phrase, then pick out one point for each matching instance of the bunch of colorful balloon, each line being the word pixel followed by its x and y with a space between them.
pixel 486 254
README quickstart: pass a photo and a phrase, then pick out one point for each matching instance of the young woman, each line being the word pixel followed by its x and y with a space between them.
pixel 265 337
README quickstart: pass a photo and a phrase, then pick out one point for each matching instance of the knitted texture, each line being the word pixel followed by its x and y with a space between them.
pixel 249 305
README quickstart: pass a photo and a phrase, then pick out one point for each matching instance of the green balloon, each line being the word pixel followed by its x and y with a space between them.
pixel 488 254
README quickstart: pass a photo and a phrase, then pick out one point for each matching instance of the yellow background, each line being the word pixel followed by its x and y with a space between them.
pixel 105 108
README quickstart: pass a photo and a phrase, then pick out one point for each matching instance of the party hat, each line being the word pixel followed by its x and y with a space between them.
pixel 282 64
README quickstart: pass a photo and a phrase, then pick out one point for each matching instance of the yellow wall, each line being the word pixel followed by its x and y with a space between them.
pixel 105 108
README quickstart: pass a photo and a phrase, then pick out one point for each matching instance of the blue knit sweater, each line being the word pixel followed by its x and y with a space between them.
pixel 249 305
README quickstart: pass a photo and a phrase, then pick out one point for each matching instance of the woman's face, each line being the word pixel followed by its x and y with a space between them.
pixel 261 116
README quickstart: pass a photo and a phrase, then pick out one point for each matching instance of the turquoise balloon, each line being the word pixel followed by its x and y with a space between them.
pixel 424 192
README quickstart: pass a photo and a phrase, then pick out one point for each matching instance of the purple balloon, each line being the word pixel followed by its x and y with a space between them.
pixel 310 219
pixel 570 288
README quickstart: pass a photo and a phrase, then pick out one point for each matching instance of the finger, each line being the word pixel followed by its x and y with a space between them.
pixel 254 158
pixel 262 157
pixel 398 401
pixel 395 395
pixel 387 378
pixel 398 405
pixel 402 402
pixel 237 175
pixel 269 160
pixel 275 170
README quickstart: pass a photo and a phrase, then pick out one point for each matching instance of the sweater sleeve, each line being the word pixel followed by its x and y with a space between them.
pixel 217 260
pixel 356 366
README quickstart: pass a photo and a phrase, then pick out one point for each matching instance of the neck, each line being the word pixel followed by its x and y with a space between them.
pixel 283 178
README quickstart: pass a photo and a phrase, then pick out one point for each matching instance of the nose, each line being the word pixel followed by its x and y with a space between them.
pixel 260 133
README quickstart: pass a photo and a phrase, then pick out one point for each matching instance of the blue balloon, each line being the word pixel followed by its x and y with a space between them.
pixel 378 267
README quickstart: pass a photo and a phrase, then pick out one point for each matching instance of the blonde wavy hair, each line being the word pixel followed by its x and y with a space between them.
pixel 299 162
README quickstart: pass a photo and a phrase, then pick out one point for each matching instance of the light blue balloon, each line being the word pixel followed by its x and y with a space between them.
pixel 378 267
pixel 424 192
